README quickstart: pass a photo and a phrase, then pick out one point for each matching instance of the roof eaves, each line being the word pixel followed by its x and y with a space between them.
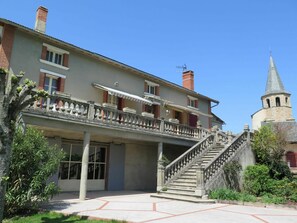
pixel 105 59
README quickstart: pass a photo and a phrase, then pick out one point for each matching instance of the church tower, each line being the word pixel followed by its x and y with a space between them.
pixel 276 103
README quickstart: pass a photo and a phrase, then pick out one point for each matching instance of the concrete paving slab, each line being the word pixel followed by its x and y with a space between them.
pixel 139 207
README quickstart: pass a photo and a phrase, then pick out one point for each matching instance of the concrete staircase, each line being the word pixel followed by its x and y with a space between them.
pixel 183 188
pixel 190 176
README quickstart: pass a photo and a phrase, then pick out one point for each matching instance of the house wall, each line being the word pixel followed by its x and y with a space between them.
pixel 140 167
pixel 203 106
pixel 84 70
pixel 273 114
pixel 258 118
pixel 116 167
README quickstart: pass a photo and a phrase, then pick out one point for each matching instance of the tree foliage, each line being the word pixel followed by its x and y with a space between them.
pixel 14 97
pixel 33 162
pixel 268 144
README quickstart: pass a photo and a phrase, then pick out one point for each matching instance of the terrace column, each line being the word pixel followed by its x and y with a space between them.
pixel 160 172
pixel 84 167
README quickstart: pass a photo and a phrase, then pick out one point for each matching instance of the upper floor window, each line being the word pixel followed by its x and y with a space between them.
pixel 151 88
pixel 112 99
pixel 50 84
pixel 54 56
pixel 192 102
pixel 51 81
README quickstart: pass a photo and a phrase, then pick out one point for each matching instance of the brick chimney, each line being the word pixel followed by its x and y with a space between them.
pixel 188 79
pixel 40 22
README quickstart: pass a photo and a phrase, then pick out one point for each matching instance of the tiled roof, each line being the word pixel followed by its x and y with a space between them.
pixel 290 129
pixel 274 84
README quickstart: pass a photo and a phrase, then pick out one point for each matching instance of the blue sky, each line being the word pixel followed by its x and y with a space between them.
pixel 226 43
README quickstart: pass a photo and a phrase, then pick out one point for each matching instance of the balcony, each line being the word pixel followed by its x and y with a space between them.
pixel 65 109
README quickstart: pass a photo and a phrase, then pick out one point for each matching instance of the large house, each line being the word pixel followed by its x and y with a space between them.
pixel 113 121
pixel 277 109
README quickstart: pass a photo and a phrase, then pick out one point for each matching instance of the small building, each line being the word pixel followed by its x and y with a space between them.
pixel 277 109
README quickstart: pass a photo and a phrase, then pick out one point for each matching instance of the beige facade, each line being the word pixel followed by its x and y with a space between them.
pixel 110 118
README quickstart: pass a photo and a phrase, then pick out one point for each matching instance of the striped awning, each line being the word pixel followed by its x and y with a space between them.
pixel 122 94
pixel 191 110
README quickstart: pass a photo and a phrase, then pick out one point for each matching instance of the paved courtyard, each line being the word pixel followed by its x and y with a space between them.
pixel 140 207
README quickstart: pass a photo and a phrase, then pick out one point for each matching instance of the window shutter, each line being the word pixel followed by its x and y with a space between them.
pixel 41 80
pixel 157 111
pixel 61 84
pixel 105 96
pixel 196 103
pixel 43 52
pixel 65 59
pixel 145 87
pixel 188 102
pixel 157 88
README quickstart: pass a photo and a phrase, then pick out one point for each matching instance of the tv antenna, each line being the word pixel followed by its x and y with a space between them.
pixel 183 67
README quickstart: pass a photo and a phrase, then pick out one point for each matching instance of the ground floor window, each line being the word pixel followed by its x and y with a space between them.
pixel 70 167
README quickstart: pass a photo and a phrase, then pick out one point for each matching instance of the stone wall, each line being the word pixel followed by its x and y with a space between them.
pixel 244 156
pixel 141 167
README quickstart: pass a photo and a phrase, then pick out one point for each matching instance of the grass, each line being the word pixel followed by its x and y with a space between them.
pixel 50 217
pixel 231 195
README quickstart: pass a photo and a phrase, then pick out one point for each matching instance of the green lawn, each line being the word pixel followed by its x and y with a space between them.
pixel 50 217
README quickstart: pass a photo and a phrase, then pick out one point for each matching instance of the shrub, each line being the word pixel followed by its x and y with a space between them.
pixel 280 170
pixel 224 194
pixel 273 199
pixel 33 162
pixel 247 197
pixel 256 179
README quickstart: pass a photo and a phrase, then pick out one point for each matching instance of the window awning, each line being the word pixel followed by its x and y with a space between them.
pixel 194 111
pixel 123 94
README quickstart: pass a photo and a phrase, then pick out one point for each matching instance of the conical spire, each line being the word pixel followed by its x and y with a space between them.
pixel 274 83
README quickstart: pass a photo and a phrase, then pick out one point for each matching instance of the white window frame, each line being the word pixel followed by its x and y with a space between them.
pixel 192 101
pixel 55 51
pixel 51 75
pixel 151 87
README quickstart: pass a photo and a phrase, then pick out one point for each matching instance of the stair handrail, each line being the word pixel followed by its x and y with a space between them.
pixel 213 167
pixel 184 160
pixel 222 138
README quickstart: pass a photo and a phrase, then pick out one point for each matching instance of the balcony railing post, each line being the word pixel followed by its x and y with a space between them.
pixel 200 189
pixel 161 168
pixel 214 131
pixel 229 134
pixel 162 125
pixel 247 130
pixel 91 110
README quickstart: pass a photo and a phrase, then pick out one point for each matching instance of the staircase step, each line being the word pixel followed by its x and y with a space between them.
pixel 193 199
pixel 174 189
pixel 180 184
pixel 180 191
pixel 188 180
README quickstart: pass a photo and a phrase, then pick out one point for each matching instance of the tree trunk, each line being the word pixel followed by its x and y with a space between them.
pixel 4 164
pixel 5 142
pixel 5 156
